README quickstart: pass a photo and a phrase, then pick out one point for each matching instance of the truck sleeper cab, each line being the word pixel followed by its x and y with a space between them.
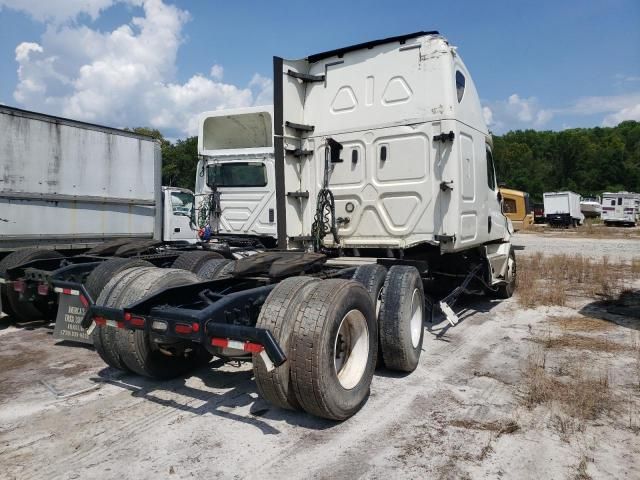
pixel 378 136
pixel 235 149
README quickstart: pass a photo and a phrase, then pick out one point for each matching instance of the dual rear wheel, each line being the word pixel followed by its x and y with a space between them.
pixel 333 333
pixel 134 350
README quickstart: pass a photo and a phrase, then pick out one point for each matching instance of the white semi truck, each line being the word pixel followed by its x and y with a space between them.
pixel 235 184
pixel 385 193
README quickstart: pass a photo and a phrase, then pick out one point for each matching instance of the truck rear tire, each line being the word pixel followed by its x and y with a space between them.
pixel 506 290
pixel 110 247
pixel 333 349
pixel 135 347
pixel 402 318
pixel 104 337
pixel 212 268
pixel 194 260
pixel 227 270
pixel 103 273
pixel 278 315
pixel 372 276
pixel 11 304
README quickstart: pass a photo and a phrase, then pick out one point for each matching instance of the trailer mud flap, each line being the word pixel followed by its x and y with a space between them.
pixel 71 311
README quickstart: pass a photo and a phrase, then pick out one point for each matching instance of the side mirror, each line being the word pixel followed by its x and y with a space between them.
pixel 499 197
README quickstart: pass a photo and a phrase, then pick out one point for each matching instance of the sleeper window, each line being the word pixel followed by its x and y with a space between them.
pixel 460 83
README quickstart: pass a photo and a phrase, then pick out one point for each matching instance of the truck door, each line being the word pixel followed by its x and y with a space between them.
pixel 496 223
pixel 178 206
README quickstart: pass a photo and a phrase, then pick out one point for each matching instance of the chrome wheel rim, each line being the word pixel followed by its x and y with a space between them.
pixel 351 349
pixel 416 317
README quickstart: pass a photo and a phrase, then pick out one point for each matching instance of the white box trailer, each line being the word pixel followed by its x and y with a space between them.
pixel 562 209
pixel 621 208
pixel 67 185
pixel 237 173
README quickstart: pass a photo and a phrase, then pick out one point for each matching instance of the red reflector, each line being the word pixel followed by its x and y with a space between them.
pixel 100 321
pixel 66 291
pixel 183 328
pixel 120 324
pixel 195 326
pixel 219 342
pixel 253 347
pixel 127 317
pixel 135 321
pixel 43 289
pixel 19 286
pixel 84 301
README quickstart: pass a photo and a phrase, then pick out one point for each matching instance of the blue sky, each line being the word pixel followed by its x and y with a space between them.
pixel 537 64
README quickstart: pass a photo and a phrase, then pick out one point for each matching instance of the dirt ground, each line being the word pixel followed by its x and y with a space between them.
pixel 550 392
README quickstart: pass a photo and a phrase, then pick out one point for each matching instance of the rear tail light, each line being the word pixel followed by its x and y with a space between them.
pixel 19 286
pixel 183 328
pixel 100 321
pixel 84 301
pixel 43 289
pixel 137 322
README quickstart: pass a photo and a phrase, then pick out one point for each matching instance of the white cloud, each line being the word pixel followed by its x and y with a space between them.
pixel 217 72
pixel 603 104
pixel 123 77
pixel 263 89
pixel 517 112
pixel 58 11
pixel 487 113
pixel 628 113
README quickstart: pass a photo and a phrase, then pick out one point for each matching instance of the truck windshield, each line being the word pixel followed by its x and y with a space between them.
pixel 237 174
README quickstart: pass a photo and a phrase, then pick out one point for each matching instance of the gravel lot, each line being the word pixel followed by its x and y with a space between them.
pixel 616 249
pixel 460 415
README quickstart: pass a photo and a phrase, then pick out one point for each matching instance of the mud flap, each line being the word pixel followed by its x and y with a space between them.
pixel 70 314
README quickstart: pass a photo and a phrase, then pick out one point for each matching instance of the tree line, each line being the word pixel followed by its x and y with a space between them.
pixel 588 161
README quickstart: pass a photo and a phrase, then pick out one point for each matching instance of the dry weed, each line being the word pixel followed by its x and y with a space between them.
pixel 581 470
pixel 579 395
pixel 635 266
pixel 578 323
pixel 501 427
pixel 550 280
pixel 580 342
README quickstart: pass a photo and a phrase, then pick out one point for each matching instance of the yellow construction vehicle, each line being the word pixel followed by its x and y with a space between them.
pixel 516 206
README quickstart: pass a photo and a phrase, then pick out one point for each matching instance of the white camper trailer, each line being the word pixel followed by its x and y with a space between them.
pixel 236 176
pixel 621 208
